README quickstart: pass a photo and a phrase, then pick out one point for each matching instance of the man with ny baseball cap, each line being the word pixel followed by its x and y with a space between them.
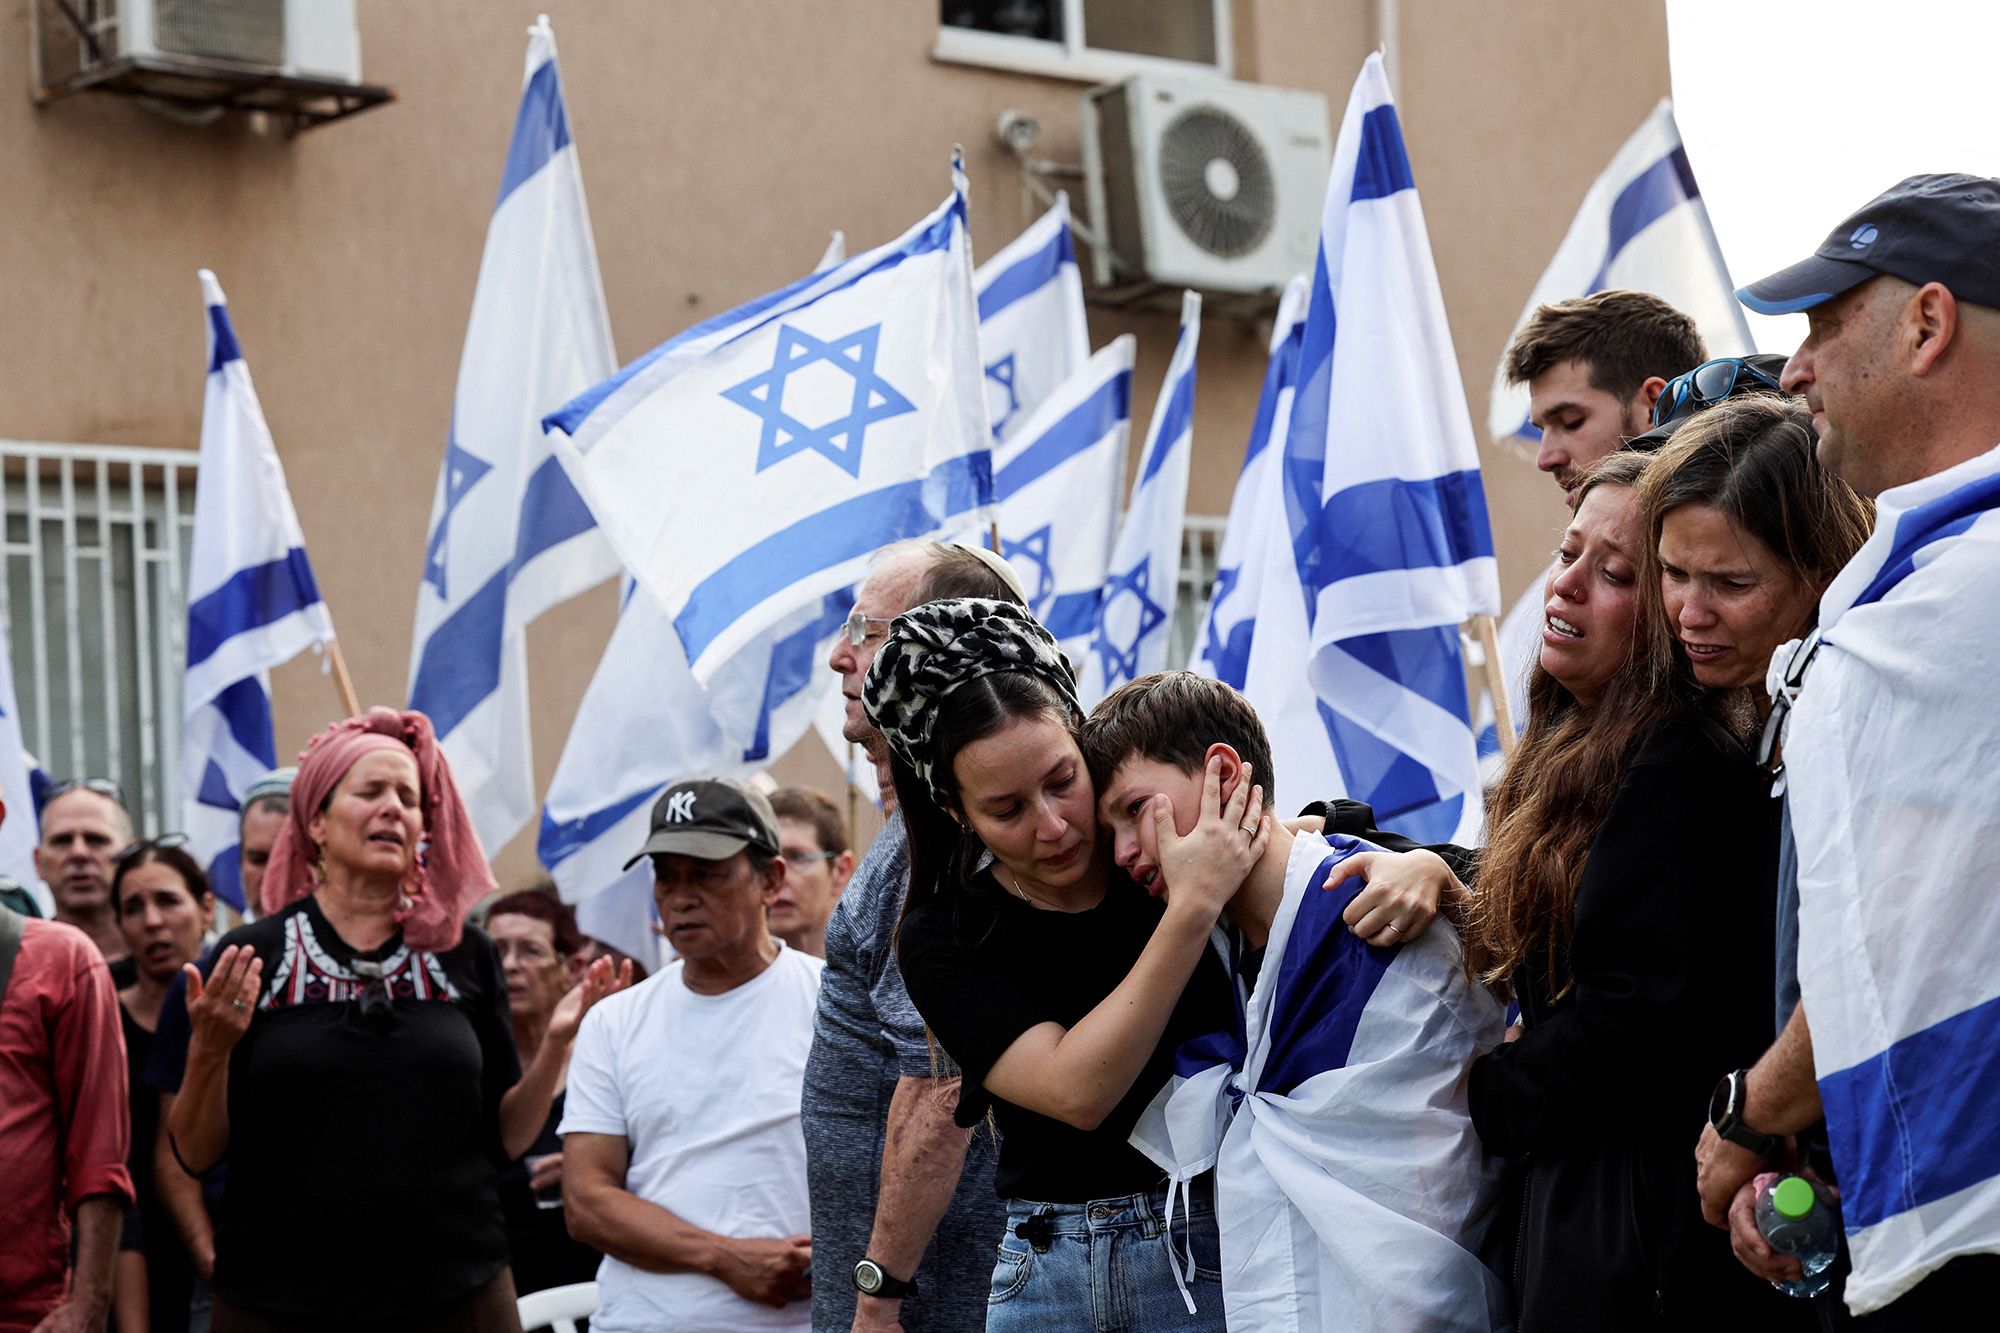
pixel 1888 737
pixel 683 1157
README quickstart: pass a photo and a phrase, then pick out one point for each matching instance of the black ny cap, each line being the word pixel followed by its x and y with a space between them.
pixel 710 819
pixel 1925 229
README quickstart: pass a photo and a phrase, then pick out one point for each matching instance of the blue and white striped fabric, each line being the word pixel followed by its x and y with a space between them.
pixel 748 467
pixel 20 832
pixel 509 537
pixel 1401 550
pixel 1889 759
pixel 252 604
pixel 1058 481
pixel 1135 611
pixel 1351 1189
pixel 1228 627
pixel 1032 334
pixel 1642 226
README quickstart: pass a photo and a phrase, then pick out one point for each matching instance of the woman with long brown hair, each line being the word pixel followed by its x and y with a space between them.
pixel 1626 896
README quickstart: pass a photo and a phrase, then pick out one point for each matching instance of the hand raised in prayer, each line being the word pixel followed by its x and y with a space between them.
pixel 220 1008
pixel 600 979
pixel 1400 895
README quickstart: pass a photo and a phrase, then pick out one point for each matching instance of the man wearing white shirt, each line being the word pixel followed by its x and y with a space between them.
pixel 683 1159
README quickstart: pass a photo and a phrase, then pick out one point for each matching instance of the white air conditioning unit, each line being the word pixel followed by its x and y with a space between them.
pixel 303 39
pixel 1205 183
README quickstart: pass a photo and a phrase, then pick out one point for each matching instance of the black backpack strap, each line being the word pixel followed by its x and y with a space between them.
pixel 11 924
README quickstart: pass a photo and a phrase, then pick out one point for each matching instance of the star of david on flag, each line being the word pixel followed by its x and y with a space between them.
pixel 1058 480
pixel 1134 615
pixel 1032 332
pixel 687 457
pixel 1001 373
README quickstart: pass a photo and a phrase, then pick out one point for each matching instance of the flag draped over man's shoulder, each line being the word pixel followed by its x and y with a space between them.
pixel 1352 1191
pixel 1401 551
pixel 1032 331
pixel 252 604
pixel 509 537
pixel 1889 764
pixel 1642 226
pixel 1229 626
pixel 1057 481
pixel 748 467
pixel 1135 611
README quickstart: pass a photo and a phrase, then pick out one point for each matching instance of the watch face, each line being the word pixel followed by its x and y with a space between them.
pixel 868 1277
pixel 1718 1102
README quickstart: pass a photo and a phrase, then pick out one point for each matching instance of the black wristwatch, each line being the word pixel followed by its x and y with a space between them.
pixel 871 1279
pixel 1725 1114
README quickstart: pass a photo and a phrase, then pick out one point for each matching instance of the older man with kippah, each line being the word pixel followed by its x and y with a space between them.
pixel 1889 752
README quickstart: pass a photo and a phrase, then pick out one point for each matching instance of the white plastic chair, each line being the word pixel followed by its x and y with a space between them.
pixel 558 1308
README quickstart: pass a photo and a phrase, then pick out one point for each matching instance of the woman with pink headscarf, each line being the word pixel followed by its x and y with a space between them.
pixel 352 1054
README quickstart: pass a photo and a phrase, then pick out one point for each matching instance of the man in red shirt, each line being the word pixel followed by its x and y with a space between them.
pixel 63 1128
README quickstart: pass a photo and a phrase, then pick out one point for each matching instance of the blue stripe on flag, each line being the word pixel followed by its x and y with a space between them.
pixel 1324 982
pixel 250 599
pixel 1648 197
pixel 560 840
pixel 1180 412
pixel 1384 165
pixel 1279 375
pixel 1084 425
pixel 1946 516
pixel 1916 1123
pixel 1027 275
pixel 1071 614
pixel 225 875
pixel 751 315
pixel 794 665
pixel 551 513
pixel 224 334
pixel 461 662
pixel 541 130
pixel 214 790
pixel 247 710
pixel 1393 524
pixel 833 536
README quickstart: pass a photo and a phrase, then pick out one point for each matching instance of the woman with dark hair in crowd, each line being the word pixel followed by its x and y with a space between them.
pixel 1058 987
pixel 1627 896
pixel 353 1053
pixel 161 902
pixel 538 941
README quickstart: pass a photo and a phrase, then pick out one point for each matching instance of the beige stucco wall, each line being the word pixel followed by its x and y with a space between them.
pixel 719 144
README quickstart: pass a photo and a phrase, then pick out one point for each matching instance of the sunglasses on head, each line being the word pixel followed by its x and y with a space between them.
pixel 145 845
pixel 102 786
pixel 857 630
pixel 1704 386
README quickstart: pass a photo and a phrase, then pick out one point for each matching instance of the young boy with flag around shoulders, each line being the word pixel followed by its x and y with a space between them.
pixel 1351 1189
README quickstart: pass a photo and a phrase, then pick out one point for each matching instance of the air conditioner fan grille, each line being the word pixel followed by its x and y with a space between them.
pixel 1191 152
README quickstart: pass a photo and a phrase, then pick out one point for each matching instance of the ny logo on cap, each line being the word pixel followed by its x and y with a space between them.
pixel 680 806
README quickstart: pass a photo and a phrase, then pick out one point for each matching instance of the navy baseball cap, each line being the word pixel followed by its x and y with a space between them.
pixel 1925 229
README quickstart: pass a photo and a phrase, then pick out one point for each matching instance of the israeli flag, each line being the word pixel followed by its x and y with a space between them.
pixel 748 467
pixel 1058 481
pixel 509 536
pixel 1352 1191
pixel 1401 550
pixel 20 832
pixel 1135 610
pixel 1642 226
pixel 1032 334
pixel 252 604
pixel 1229 625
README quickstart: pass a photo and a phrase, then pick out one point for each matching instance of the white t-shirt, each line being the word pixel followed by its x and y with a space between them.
pixel 705 1089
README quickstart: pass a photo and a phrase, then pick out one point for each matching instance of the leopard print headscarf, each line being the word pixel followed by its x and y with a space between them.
pixel 937 647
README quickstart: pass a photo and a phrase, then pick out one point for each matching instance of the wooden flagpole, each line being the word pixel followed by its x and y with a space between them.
pixel 1496 682
pixel 341 680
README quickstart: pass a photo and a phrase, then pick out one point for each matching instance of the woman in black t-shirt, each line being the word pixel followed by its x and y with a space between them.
pixel 1058 987
pixel 352 1052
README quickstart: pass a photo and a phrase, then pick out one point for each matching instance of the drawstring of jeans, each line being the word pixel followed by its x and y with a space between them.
pixel 1176 1185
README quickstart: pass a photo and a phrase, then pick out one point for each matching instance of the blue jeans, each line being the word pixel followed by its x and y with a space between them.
pixel 1104 1266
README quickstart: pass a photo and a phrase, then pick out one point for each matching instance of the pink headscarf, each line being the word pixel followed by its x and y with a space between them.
pixel 451 874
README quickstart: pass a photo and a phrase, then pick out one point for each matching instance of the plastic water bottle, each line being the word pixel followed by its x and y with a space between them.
pixel 1798 1221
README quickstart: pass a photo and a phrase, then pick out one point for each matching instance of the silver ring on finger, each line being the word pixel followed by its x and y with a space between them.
pixel 238 1004
pixel 1392 926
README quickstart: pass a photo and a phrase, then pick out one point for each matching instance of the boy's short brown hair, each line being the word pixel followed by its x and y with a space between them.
pixel 809 805
pixel 1172 718
pixel 1623 338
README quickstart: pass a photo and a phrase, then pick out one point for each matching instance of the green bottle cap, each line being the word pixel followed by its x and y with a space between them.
pixel 1793 1197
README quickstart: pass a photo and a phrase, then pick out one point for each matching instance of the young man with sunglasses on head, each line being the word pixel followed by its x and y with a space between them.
pixel 84 826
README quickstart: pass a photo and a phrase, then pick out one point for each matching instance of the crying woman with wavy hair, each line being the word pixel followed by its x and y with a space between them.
pixel 1626 896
